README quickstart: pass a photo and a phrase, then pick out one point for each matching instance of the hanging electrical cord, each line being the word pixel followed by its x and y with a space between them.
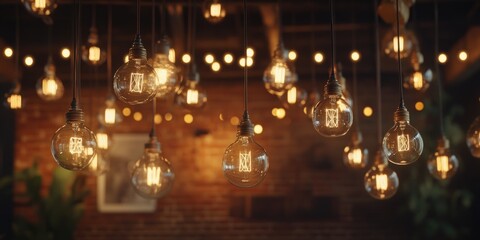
pixel 245 69
pixel 400 73
pixel 332 41
pixel 378 75
pixel 437 71
pixel 109 52
pixel 17 46
pixel 153 28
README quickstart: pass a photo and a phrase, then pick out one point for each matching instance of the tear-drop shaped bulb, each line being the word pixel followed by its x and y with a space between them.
pixel 381 182
pixel 135 82
pixel 73 146
pixel 402 144
pixel 473 138
pixel 442 164
pixel 419 80
pixel 109 114
pixel 167 75
pixel 279 76
pixel 49 87
pixel 245 163
pixel 191 96
pixel 332 116
pixel 214 11
pixel 355 156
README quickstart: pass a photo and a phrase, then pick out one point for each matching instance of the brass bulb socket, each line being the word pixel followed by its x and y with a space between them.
pixel 74 115
pixel 401 115
pixel 245 128
pixel 137 51
pixel 333 87
pixel 153 143
pixel 443 143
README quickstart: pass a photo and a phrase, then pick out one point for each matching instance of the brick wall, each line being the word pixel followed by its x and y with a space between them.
pixel 307 194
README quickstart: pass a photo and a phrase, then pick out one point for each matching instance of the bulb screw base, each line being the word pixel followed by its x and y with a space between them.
pixel 245 128
pixel 93 36
pixel 443 143
pixel 74 114
pixel 380 159
pixel 193 76
pixel 163 46
pixel 153 143
pixel 137 51
pixel 401 114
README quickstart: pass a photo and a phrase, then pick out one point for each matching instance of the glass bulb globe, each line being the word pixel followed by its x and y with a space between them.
pixel 419 80
pixel 343 82
pixel 214 11
pixel 167 75
pixel 14 101
pixel 152 176
pixel 354 155
pixel 104 140
pixel 93 55
pixel 191 95
pixel 50 87
pixel 442 164
pixel 278 77
pixel 473 138
pixel 109 114
pixel 40 7
pixel 98 166
pixel 381 182
pixel 407 39
pixel 402 144
pixel 312 100
pixel 245 163
pixel 295 96
pixel 135 82
pixel 332 116
pixel 73 146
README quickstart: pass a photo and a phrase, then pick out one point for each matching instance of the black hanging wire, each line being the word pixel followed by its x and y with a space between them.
pixel 94 15
pixel 378 73
pixel 189 27
pixel 138 17
pixel 312 46
pixel 153 28
pixel 17 45
pixel 332 39
pixel 245 71
pixel 78 63
pixel 194 32
pixel 437 70
pixel 402 103
pixel 153 133
pixel 50 42
pixel 354 71
pixel 163 18
pixel 75 100
pixel 109 52
pixel 280 25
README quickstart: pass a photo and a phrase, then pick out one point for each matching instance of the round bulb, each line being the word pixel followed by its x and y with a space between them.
pixel 73 146
pixel 380 181
pixel 14 101
pixel 354 155
pixel 295 96
pixel 191 95
pixel 93 54
pixel 419 80
pixel 40 7
pixel 442 164
pixel 152 175
pixel 109 114
pixel 332 116
pixel 407 40
pixel 312 100
pixel 135 82
pixel 214 11
pixel 279 76
pixel 473 138
pixel 402 144
pixel 49 87
pixel 167 78
pixel 245 163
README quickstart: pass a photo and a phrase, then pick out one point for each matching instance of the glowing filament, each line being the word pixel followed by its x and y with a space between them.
pixel 153 176
pixel 331 118
pixel 94 54
pixel 292 95
pixel 171 55
pixel 245 163
pixel 355 156
pixel 279 74
pixel 15 101
pixel 381 182
pixel 75 146
pixel 136 82
pixel 403 143
pixel 442 164
pixel 102 140
pixel 395 44
pixel 192 96
pixel 215 10
pixel 162 75
pixel 40 4
pixel 110 115
pixel 49 87
pixel 417 80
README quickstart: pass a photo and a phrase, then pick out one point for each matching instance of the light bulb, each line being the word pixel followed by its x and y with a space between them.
pixel 279 76
pixel 214 11
pixel 40 7
pixel 152 175
pixel 135 82
pixel 73 145
pixel 109 114
pixel 442 164
pixel 104 141
pixel 167 73
pixel 402 144
pixel 191 95
pixel 473 138
pixel 14 100
pixel 407 40
pixel 354 155
pixel 98 166
pixel 245 163
pixel 419 80
pixel 91 52
pixel 295 96
pixel 312 100
pixel 381 182
pixel 49 87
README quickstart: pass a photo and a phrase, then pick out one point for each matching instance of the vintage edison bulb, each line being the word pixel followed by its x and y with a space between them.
pixel 402 144
pixel 40 7
pixel 49 87
pixel 104 141
pixel 245 162
pixel 279 76
pixel 191 95
pixel 98 166
pixel 442 164
pixel 419 79
pixel 73 146
pixel 381 182
pixel 473 138
pixel 109 114
pixel 214 11
pixel 407 41
pixel 355 155
pixel 295 96
pixel 135 82
pixel 92 53
pixel 152 176
pixel 167 73
pixel 14 100
pixel 312 100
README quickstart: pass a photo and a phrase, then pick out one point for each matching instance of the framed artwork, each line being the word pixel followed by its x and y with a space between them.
pixel 115 193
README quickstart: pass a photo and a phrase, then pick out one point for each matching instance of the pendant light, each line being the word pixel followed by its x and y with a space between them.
pixel 40 7
pixel 50 87
pixel 73 145
pixel 442 164
pixel 380 181
pixel 14 100
pixel 332 116
pixel 91 52
pixel 109 114
pixel 135 81
pixel 191 95
pixel 167 73
pixel 245 163
pixel 421 77
pixel 214 11
pixel 399 36
pixel 279 75
pixel 152 174
pixel 402 144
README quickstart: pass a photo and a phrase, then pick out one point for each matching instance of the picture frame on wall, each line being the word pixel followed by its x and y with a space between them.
pixel 115 193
